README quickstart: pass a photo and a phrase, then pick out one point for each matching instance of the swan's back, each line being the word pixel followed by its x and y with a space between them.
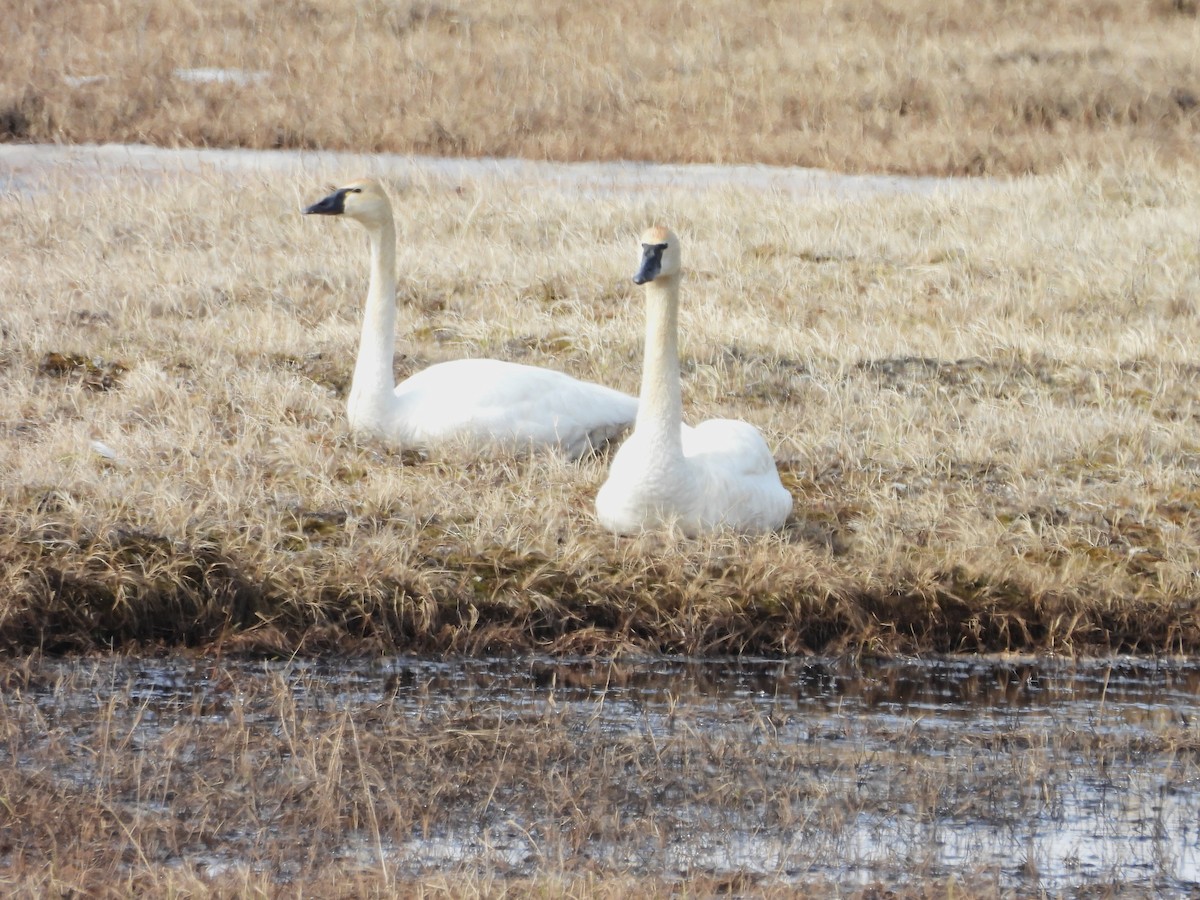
pixel 730 445
pixel 488 402
pixel 741 487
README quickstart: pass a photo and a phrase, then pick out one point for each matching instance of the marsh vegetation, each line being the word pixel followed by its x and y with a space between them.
pixel 586 778
pixel 984 399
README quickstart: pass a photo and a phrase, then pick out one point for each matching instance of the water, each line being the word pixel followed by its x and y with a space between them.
pixel 1034 775
pixel 24 167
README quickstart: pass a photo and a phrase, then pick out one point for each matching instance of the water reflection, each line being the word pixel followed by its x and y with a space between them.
pixel 1030 775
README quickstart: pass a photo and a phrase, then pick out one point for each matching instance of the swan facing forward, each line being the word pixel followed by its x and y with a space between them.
pixel 473 404
pixel 719 474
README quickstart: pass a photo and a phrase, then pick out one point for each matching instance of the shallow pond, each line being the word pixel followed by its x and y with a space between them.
pixel 1029 776
pixel 24 168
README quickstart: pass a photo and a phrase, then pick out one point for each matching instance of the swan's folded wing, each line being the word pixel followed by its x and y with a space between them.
pixel 741 483
pixel 733 445
pixel 488 401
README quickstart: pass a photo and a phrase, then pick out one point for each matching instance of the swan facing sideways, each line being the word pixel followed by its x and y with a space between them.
pixel 472 404
pixel 719 474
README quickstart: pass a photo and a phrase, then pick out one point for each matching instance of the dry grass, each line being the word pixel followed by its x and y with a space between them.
pixel 922 87
pixel 984 404
pixel 205 777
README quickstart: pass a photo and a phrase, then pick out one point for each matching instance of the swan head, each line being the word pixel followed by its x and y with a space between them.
pixel 660 255
pixel 363 200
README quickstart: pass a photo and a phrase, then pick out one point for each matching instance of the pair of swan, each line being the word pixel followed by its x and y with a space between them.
pixel 718 474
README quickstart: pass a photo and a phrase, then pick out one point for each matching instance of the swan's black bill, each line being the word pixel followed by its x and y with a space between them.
pixel 333 205
pixel 651 263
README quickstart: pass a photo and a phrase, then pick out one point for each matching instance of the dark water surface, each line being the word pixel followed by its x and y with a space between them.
pixel 1035 776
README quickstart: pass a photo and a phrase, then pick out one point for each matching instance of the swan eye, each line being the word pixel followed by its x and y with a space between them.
pixel 354 190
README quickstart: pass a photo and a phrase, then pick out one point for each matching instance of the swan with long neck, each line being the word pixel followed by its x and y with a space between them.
pixel 477 404
pixel 720 474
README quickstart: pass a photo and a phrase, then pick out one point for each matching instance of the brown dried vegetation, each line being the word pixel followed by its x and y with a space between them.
pixel 214 777
pixel 984 403
pixel 935 88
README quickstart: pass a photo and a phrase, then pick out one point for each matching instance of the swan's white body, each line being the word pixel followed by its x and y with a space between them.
pixel 467 404
pixel 719 474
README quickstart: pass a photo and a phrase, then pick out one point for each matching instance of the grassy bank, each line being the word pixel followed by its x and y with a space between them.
pixel 984 404
pixel 926 87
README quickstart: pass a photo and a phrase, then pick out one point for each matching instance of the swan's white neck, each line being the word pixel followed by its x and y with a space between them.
pixel 660 408
pixel 372 390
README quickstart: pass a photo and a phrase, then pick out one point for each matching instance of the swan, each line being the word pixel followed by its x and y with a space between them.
pixel 719 474
pixel 478 404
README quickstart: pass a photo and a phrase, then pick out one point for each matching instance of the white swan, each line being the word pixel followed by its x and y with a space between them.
pixel 475 404
pixel 718 474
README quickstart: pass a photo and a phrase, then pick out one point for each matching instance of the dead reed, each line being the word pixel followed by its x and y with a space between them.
pixel 208 777
pixel 924 87
pixel 984 403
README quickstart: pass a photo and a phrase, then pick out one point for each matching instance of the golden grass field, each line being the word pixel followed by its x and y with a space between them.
pixel 984 402
pixel 954 87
